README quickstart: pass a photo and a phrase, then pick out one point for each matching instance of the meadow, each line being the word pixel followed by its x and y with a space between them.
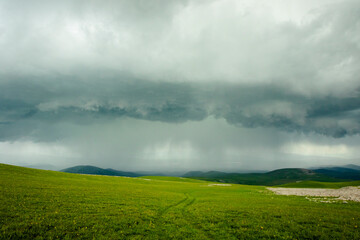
pixel 38 204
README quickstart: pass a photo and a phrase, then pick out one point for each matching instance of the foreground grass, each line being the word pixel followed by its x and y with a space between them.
pixel 315 184
pixel 37 204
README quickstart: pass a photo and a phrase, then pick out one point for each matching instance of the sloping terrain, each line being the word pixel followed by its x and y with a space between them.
pixel 276 177
pixel 38 204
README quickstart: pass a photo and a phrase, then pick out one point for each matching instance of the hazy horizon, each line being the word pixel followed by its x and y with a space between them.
pixel 180 85
pixel 179 172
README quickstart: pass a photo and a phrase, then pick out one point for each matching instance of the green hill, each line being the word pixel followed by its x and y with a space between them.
pixel 340 172
pixel 277 177
pixel 86 169
pixel 39 204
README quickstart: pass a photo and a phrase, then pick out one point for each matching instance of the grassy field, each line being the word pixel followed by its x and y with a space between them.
pixel 36 204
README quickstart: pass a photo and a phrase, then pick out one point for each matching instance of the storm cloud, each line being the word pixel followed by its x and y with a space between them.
pixel 265 70
pixel 243 106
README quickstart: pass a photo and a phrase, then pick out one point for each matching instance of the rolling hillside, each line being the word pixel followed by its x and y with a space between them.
pixel 276 177
pixel 38 204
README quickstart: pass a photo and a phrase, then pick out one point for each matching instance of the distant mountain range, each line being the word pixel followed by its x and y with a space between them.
pixel 351 172
pixel 281 176
pixel 86 169
pixel 276 177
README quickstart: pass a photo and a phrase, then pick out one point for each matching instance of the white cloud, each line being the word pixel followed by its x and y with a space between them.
pixel 28 153
pixel 170 155
pixel 319 150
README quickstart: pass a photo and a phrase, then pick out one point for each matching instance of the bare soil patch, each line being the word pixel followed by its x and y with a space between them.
pixel 345 193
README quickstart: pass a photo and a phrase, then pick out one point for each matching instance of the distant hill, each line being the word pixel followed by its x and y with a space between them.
pixel 204 174
pixel 194 174
pixel 276 177
pixel 352 166
pixel 161 173
pixel 86 169
pixel 348 172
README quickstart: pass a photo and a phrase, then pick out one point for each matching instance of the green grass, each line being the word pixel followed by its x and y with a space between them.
pixel 36 204
pixel 314 184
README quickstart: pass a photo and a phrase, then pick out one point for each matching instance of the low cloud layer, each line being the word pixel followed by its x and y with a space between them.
pixel 288 69
pixel 52 102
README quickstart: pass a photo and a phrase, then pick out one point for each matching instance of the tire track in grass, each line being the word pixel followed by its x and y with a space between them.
pixel 189 217
pixel 182 206
pixel 166 209
pixel 189 203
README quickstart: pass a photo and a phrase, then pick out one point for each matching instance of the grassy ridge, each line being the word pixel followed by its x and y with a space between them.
pixel 314 184
pixel 277 177
pixel 37 204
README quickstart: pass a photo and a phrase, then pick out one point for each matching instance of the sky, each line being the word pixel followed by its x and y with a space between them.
pixel 231 85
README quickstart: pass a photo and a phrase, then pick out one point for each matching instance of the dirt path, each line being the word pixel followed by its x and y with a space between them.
pixel 345 193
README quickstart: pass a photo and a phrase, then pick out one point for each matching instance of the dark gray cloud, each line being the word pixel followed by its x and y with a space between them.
pixel 246 106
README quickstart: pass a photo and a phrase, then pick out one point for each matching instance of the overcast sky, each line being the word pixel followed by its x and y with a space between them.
pixel 180 85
